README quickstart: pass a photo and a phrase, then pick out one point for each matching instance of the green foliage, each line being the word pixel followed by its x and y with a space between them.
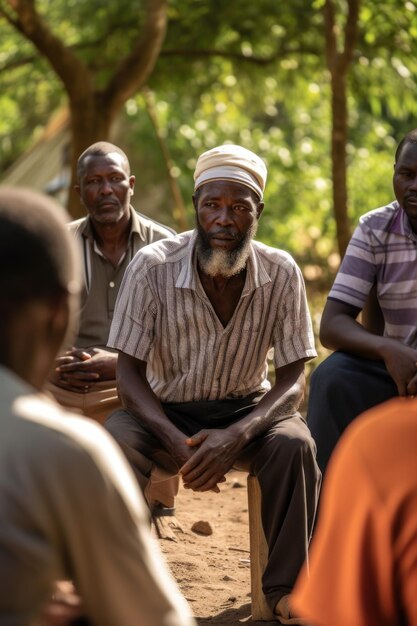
pixel 250 73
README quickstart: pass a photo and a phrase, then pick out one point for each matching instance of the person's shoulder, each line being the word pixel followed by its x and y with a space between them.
pixel 76 226
pixel 393 425
pixel 154 229
pixel 380 218
pixel 163 251
pixel 48 421
pixel 274 256
pixel 69 440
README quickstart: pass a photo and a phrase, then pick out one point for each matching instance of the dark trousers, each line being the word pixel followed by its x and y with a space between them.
pixel 341 388
pixel 283 460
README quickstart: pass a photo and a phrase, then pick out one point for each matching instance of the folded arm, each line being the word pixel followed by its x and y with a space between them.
pixel 339 330
pixel 79 368
pixel 139 399
pixel 218 449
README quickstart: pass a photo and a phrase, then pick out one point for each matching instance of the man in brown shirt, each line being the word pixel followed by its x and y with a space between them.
pixel 108 237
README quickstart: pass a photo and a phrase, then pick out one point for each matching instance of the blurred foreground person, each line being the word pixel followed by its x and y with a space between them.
pixel 69 504
pixel 363 559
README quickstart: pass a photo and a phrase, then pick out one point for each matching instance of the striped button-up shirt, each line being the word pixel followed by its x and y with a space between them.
pixel 383 252
pixel 164 317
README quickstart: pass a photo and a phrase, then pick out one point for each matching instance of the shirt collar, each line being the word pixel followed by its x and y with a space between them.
pixel 135 227
pixel 400 224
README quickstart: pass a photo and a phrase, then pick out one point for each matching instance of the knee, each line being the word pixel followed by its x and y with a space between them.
pixel 300 447
pixel 327 374
pixel 295 448
pixel 117 426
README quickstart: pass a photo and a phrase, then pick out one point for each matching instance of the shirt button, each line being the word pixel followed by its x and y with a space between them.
pixel 111 284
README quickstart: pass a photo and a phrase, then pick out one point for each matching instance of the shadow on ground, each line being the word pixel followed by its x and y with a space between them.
pixel 241 614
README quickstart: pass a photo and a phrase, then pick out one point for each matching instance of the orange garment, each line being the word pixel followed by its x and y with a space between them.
pixel 363 557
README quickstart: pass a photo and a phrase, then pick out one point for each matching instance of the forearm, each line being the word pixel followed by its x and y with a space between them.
pixel 138 398
pixel 346 334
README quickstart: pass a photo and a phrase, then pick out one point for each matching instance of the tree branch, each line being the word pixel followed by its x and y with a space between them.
pixel 351 33
pixel 239 56
pixel 330 48
pixel 338 62
pixel 135 68
pixel 7 16
pixel 70 69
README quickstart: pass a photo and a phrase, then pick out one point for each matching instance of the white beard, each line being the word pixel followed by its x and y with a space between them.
pixel 226 263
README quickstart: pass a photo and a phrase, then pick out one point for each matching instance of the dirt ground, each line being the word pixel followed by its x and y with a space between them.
pixel 213 571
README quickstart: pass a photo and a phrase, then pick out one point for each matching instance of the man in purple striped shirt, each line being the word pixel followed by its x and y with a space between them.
pixel 371 365
pixel 195 318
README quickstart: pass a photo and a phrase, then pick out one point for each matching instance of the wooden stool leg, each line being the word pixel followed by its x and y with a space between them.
pixel 258 552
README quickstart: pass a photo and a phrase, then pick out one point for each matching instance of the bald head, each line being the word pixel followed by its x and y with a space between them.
pixel 410 137
pixel 100 149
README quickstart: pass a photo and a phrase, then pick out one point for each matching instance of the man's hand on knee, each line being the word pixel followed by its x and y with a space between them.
pixel 206 469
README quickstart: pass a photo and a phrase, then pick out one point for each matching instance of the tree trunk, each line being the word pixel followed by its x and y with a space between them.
pixel 339 64
pixel 90 122
pixel 339 165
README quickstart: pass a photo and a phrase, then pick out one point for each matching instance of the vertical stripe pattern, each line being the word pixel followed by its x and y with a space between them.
pixel 164 317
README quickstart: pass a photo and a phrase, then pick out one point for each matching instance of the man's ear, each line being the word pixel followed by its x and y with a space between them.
pixel 194 201
pixel 77 189
pixel 259 209
pixel 132 180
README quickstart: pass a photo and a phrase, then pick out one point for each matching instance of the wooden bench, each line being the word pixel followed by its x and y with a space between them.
pixel 258 553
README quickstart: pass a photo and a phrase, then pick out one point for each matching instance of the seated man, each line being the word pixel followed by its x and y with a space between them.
pixel 69 504
pixel 368 368
pixel 363 561
pixel 195 318
pixel 108 239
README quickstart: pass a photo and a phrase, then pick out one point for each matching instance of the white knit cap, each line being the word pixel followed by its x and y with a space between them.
pixel 231 162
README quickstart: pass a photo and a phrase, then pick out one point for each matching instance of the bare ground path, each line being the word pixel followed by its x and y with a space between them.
pixel 213 570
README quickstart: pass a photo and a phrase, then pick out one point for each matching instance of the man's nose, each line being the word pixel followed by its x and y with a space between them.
pixel 224 215
pixel 105 187
pixel 413 184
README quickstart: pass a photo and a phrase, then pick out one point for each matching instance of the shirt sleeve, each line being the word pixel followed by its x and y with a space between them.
pixel 357 272
pixel 293 333
pixel 350 577
pixel 132 328
pixel 103 523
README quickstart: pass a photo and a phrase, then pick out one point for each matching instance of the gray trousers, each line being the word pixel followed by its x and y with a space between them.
pixel 283 460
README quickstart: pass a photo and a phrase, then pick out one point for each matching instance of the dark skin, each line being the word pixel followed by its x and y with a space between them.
pixel 105 187
pixel 225 210
pixel 339 329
